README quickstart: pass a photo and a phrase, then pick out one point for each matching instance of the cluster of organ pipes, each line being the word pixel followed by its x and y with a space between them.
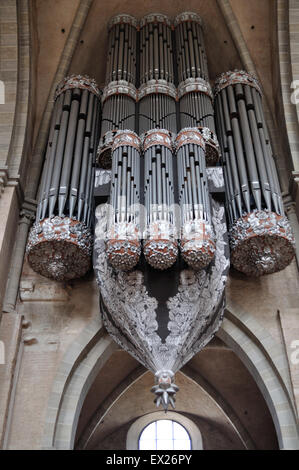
pixel 159 101
pixel 60 241
pixel 158 134
pixel 261 239
pixel 156 49
pixel 66 185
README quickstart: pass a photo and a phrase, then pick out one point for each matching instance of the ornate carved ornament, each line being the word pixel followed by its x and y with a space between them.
pixel 215 178
pixel 261 242
pixel 59 248
pixel 189 135
pixel 212 146
pixel 197 243
pixel 234 77
pixel 133 317
pixel 165 389
pixel 77 81
pixel 122 19
pixel 123 246
pixel 126 137
pixel 187 16
pixel 102 177
pixel 119 87
pixel 160 247
pixel 157 86
pixel 157 137
pixel 197 85
pixel 104 149
pixel 155 18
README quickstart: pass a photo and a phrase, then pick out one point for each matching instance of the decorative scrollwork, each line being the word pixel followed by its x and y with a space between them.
pixel 261 242
pixel 59 248
pixel 77 81
pixel 234 77
pixel 195 312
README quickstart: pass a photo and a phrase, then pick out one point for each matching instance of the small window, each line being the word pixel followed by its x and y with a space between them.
pixel 164 434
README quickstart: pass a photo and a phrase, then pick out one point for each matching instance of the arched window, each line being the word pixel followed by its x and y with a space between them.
pixel 164 434
pixel 157 431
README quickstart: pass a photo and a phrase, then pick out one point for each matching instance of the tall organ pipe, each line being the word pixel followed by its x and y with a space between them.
pixel 157 108
pixel 197 237
pixel 156 54
pixel 121 61
pixel 119 109
pixel 191 54
pixel 119 95
pixel 160 244
pixel 196 110
pixel 260 235
pixel 59 244
pixel 123 235
pixel 194 91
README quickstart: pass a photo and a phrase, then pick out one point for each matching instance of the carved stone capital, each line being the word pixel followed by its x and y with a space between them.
pixel 28 211
pixel 3 179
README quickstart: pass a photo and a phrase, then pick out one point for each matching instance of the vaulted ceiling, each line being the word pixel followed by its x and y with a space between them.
pixel 52 21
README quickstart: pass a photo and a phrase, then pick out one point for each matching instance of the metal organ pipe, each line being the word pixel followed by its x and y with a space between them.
pixel 160 245
pixel 157 109
pixel 197 237
pixel 121 61
pixel 157 121
pixel 260 235
pixel 59 244
pixel 157 93
pixel 123 235
pixel 118 101
pixel 119 95
pixel 191 55
pixel 156 54
pixel 194 91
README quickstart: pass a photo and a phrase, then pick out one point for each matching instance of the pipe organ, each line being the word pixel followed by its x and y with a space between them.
pixel 119 95
pixel 161 244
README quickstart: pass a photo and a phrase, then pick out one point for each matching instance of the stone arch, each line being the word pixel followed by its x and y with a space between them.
pixel 260 353
pixel 90 351
pixel 76 372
